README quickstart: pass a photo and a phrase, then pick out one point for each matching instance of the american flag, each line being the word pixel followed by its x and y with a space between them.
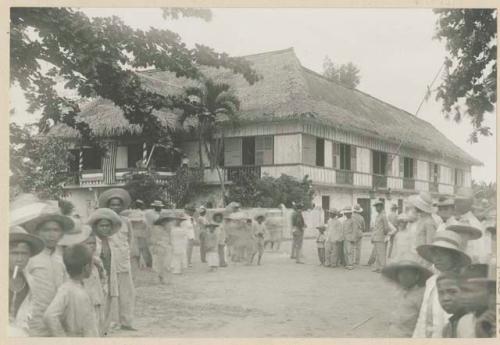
pixel 109 163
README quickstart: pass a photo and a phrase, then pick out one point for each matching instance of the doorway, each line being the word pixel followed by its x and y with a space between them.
pixel 366 206
pixel 325 205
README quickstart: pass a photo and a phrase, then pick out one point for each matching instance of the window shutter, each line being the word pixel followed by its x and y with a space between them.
pixel 402 166
pixel 353 157
pixel 308 149
pixel 335 156
pixel 232 151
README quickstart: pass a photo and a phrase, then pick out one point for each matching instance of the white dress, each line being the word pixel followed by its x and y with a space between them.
pixel 179 240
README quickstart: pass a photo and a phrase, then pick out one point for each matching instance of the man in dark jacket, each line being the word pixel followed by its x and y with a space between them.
pixel 298 226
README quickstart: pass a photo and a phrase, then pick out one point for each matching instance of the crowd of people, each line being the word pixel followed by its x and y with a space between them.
pixel 440 254
pixel 73 277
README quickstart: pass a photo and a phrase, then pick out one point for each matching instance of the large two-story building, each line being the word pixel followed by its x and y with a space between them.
pixel 293 121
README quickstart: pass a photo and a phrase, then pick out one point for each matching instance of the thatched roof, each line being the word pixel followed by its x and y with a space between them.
pixel 105 119
pixel 287 90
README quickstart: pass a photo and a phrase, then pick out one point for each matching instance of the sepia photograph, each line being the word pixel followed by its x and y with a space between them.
pixel 186 172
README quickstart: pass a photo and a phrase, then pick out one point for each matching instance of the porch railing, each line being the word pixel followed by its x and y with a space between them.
pixel 344 177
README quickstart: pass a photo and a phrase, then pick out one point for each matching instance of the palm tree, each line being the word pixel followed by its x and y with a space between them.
pixel 211 105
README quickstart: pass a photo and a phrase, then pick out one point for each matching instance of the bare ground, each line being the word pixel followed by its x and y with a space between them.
pixel 277 299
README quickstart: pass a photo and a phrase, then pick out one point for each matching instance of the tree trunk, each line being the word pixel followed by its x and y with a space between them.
pixel 213 155
pixel 200 146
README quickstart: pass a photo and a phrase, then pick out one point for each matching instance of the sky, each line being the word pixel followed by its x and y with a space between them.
pixel 393 48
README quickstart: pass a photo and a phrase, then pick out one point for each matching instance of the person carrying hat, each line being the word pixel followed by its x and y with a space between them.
pixel 118 200
pixel 379 232
pixel 479 250
pixel 352 233
pixel 105 223
pixel 360 221
pixel 46 269
pixel 410 277
pixel 446 254
pixel 334 239
pixel 22 246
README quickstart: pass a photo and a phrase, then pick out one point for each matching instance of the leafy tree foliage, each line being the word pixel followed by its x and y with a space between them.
pixel 346 74
pixel 212 104
pixel 97 57
pixel 469 86
pixel 268 191
pixel 38 164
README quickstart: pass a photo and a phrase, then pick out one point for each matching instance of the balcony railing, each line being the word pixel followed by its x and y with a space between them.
pixel 409 183
pixel 344 177
pixel 379 181
pixel 238 174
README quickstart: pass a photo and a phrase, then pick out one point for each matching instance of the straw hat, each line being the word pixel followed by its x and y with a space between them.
pixel 170 215
pixel 446 202
pixel 105 213
pixel 445 240
pixel 76 237
pixel 391 271
pixel 378 202
pixel 357 208
pixel 112 193
pixel 422 201
pixel 333 211
pixel 18 234
pixel 465 229
pixel 157 203
pixel 347 209
pixel 47 214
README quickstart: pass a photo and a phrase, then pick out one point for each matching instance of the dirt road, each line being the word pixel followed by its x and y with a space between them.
pixel 278 299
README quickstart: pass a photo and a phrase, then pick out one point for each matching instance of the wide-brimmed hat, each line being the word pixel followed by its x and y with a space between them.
pixel 112 193
pixel 157 203
pixel 445 240
pixel 357 208
pixel 446 202
pixel 422 201
pixel 391 271
pixel 333 211
pixel 18 234
pixel 378 202
pixel 105 213
pixel 73 238
pixel 47 214
pixel 465 229
pixel 347 209
pixel 170 215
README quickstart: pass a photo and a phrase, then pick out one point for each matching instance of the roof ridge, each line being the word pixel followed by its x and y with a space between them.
pixel 272 52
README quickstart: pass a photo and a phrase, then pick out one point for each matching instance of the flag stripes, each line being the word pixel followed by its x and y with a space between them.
pixel 109 163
